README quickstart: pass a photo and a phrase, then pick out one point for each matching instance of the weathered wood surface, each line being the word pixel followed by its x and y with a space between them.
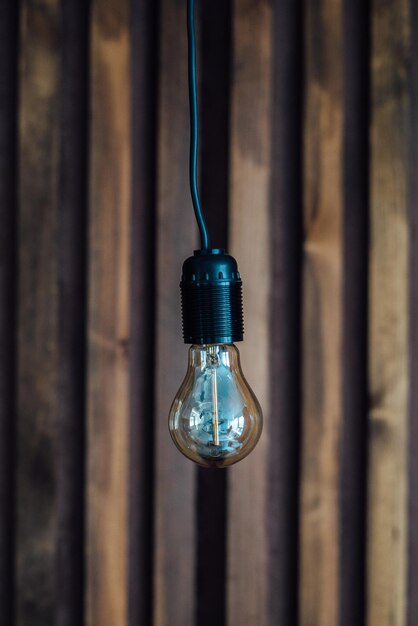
pixel 37 317
pixel 175 530
pixel 388 322
pixel 9 25
pixel 108 317
pixel 94 226
pixel 249 232
pixel 412 549
pixel 322 312
pixel 51 317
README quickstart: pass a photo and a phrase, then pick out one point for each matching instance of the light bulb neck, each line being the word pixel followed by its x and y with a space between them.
pixel 213 355
pixel 211 296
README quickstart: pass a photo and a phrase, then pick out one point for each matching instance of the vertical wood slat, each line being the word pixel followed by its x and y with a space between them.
pixel 355 305
pixel 37 318
pixel 175 529
pixel 388 334
pixel 249 243
pixel 9 16
pixel 321 413
pixel 72 225
pixel 108 323
pixel 412 596
pixel 215 39
pixel 144 78
pixel 285 316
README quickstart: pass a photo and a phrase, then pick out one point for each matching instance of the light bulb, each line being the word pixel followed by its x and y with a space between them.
pixel 215 419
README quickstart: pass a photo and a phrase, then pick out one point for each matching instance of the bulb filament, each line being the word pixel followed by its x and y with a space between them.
pixel 214 361
pixel 215 414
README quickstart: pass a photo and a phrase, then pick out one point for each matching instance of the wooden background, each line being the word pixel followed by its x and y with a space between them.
pixel 308 175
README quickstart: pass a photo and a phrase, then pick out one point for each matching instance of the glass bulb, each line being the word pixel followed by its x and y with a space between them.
pixel 215 419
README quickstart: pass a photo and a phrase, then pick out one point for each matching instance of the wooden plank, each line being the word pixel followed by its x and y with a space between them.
pixel 249 243
pixel 388 325
pixel 412 575
pixel 9 17
pixel 175 531
pixel 285 223
pixel 355 306
pixel 37 342
pixel 321 351
pixel 144 80
pixel 71 237
pixel 108 324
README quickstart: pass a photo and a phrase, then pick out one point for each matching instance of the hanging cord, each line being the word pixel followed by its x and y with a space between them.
pixel 194 127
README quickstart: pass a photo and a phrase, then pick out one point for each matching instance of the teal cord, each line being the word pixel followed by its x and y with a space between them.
pixel 194 127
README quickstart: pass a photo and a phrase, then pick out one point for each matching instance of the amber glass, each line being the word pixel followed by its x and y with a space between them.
pixel 215 419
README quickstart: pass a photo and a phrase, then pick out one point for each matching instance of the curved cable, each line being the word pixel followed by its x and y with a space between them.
pixel 194 127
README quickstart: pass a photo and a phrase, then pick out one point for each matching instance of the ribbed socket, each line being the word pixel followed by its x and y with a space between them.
pixel 212 313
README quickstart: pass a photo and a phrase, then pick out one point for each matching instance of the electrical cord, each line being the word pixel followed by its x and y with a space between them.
pixel 194 127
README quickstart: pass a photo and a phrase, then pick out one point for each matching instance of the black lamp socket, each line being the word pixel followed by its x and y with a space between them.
pixel 211 298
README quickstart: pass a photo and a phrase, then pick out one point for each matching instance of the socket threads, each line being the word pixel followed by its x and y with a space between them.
pixel 211 297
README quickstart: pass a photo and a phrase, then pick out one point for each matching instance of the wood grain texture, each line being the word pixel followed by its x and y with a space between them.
pixel 388 327
pixel 412 596
pixel 108 323
pixel 175 530
pixel 309 134
pixel 322 312
pixel 9 26
pixel 285 226
pixel 249 244
pixel 37 318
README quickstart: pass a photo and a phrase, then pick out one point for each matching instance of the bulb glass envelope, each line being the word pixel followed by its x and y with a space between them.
pixel 215 419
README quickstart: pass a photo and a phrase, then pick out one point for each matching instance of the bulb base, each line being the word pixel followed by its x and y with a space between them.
pixel 211 298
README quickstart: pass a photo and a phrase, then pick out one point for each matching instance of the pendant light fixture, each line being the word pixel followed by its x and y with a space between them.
pixel 215 419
